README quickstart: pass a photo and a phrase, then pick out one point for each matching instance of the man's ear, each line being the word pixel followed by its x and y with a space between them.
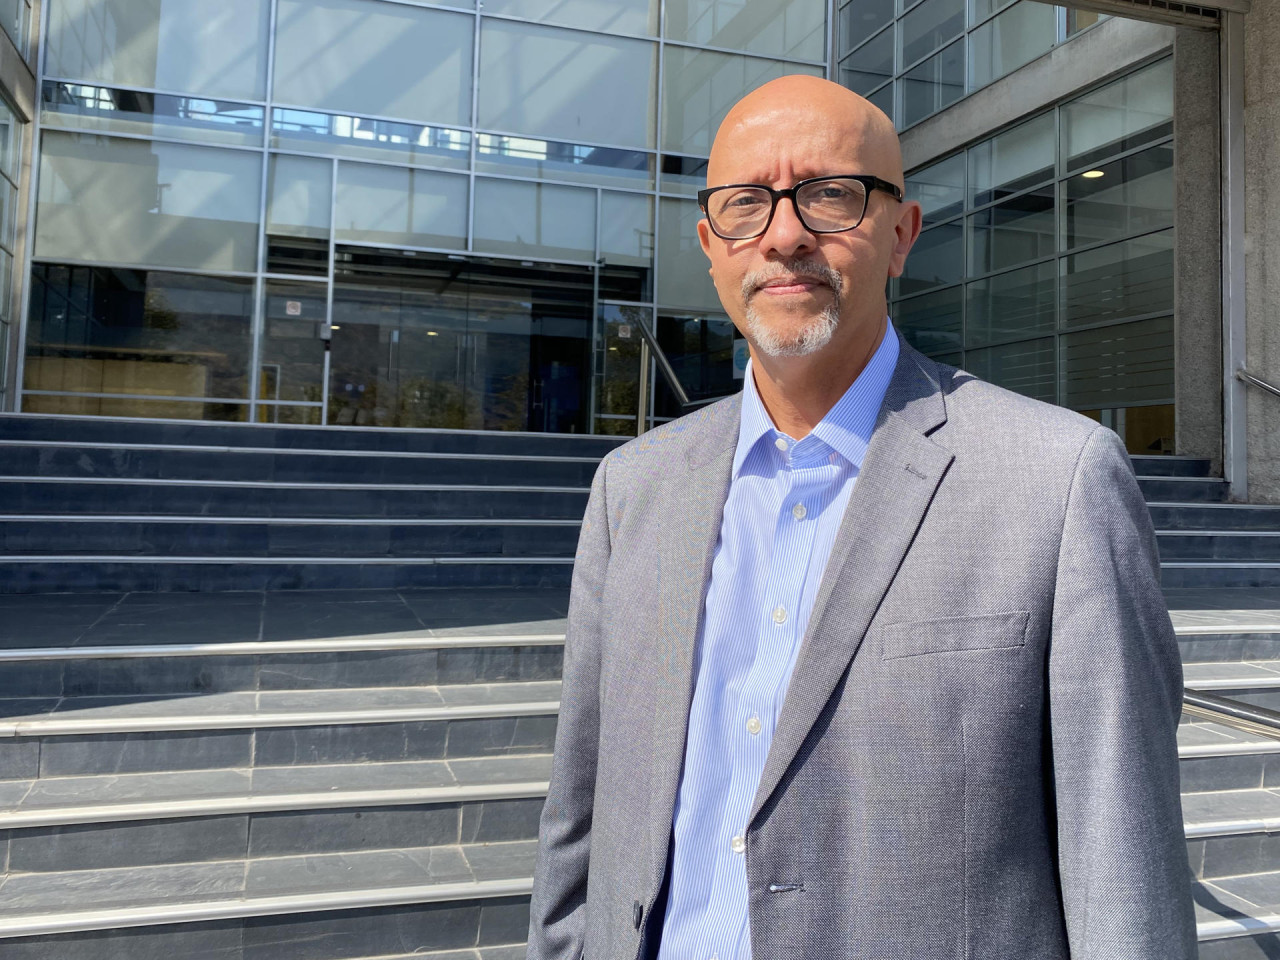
pixel 705 236
pixel 905 230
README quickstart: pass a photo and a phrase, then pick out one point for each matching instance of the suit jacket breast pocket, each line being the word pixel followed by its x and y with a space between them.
pixel 988 631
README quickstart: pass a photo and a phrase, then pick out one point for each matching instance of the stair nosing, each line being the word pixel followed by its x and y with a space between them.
pixel 135 558
pixel 296 451
pixel 292 520
pixel 299 485
pixel 1244 926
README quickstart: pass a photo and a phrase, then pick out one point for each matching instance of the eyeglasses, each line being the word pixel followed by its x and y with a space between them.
pixel 740 211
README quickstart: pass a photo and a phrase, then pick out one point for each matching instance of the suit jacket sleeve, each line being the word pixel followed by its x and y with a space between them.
pixel 1115 695
pixel 558 907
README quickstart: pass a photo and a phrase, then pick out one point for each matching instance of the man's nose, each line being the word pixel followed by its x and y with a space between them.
pixel 786 235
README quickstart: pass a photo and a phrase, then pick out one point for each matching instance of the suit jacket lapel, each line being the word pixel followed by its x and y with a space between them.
pixel 900 472
pixel 686 540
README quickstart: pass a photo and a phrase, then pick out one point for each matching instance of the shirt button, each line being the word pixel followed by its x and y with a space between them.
pixel 754 726
pixel 798 511
pixel 738 844
pixel 780 615
pixel 781 444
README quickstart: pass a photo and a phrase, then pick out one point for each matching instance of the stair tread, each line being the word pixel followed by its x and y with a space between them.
pixel 1235 906
pixel 106 797
pixel 243 887
pixel 1223 812
pixel 1207 739
pixel 1232 675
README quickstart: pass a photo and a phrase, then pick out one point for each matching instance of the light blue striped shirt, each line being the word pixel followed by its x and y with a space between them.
pixel 785 503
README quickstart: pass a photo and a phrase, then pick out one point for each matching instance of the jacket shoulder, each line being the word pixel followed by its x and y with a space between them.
pixel 697 435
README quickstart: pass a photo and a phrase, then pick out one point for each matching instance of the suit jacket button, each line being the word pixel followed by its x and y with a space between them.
pixel 637 912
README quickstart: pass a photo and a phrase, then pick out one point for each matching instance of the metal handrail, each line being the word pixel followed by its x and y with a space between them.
pixel 1247 377
pixel 668 373
pixel 1232 713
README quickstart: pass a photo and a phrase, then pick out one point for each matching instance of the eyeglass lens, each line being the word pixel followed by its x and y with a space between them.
pixel 825 206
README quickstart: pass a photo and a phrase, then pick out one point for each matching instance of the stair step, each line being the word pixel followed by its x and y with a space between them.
pixel 1229 574
pixel 1238 917
pixel 1170 466
pixel 36 904
pixel 1243 545
pixel 1213 516
pixel 1183 489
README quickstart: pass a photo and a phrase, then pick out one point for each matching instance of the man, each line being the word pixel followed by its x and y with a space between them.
pixel 871 660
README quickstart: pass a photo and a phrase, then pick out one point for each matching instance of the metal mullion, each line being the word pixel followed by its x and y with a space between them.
pixel 740 53
pixel 1103 324
pixel 154 139
pixel 183 94
pixel 463 254
pixel 1085 248
pixel 258 321
pixel 932 53
pixel 606 302
pixel 294 277
pixel 1231 110
pixel 135 396
pixel 581 185
pixel 833 37
pixel 329 290
pixel 513 18
pixel 475 123
pixel 579 143
pixel 118 265
pixel 1163 141
pixel 329 155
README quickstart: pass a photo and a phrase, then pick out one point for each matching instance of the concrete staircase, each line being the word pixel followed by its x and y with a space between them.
pixel 348 774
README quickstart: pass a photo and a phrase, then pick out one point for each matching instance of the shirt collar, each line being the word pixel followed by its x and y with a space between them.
pixel 847 426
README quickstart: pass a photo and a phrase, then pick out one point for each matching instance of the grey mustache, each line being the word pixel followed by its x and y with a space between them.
pixel 790 269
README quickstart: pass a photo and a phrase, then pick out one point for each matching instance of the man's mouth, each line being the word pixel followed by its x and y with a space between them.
pixel 785 286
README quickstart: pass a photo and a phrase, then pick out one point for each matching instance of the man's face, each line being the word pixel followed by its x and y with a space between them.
pixel 792 292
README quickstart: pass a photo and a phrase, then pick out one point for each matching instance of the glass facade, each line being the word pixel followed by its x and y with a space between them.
pixel 384 212
pixel 912 58
pixel 1046 261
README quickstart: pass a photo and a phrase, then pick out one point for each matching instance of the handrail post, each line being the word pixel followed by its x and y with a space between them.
pixel 642 407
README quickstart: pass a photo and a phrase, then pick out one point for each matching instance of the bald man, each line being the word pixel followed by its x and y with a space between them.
pixel 869 661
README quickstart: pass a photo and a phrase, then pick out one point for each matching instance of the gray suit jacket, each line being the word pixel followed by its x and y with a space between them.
pixel 976 755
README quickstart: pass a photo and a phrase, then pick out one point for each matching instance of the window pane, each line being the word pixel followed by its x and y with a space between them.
pixel 105 330
pixel 292 358
pixel 1012 232
pixel 981 9
pixel 770 28
pixel 934 84
pixel 937 258
pixel 1026 368
pixel 626 228
pixel 1117 366
pixel 882 99
pixel 361 138
pixel 939 189
pixel 700 349
pixel 683 280
pixel 862 18
pixel 871 64
pixel 686 175
pixel 1126 196
pixel 10 142
pixel 931 322
pixel 552 160
pixel 1012 161
pixel 1004 43
pixel 1119 116
pixel 396 205
pixel 609 16
pixel 375 59
pixel 163 204
pixel 700 86
pixel 1117 281
pixel 1011 305
pixel 536 219
pixel 928 26
pixel 566 84
pixel 150 114
pixel 217 48
pixel 299 191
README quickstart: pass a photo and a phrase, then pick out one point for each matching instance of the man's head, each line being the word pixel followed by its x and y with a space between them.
pixel 792 290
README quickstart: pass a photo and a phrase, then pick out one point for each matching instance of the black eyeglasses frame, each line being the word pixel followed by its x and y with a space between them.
pixel 868 182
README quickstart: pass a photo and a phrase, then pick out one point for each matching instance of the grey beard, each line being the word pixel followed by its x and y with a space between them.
pixel 816 332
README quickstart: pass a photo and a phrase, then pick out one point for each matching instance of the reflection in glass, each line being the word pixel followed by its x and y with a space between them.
pixel 1120 280
pixel 937 258
pixel 928 26
pixel 1015 37
pixel 291 361
pixel 861 19
pixel 700 349
pixel 397 205
pixel 552 160
pixel 1120 116
pixel 137 332
pixel 168 204
pixel 617 374
pixel 1012 305
pixel 882 99
pixel 981 9
pixel 934 84
pixel 110 110
pixel 535 219
pixel 686 175
pixel 607 16
pixel 1119 365
pixel 299 193
pixel 1014 231
pixel 770 28
pixel 871 64
pixel 939 189
pixel 566 84
pixel 14 20
pixel 1027 368
pixel 216 48
pixel 683 280
pixel 626 229
pixel 366 57
pixel 699 87
pixel 931 322
pixel 10 142
pixel 1078 20
pixel 439 341
pixel 1123 197
pixel 363 139
pixel 1012 161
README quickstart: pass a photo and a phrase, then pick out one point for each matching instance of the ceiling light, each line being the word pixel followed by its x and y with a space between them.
pixel 1093 174
pixel 432 333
